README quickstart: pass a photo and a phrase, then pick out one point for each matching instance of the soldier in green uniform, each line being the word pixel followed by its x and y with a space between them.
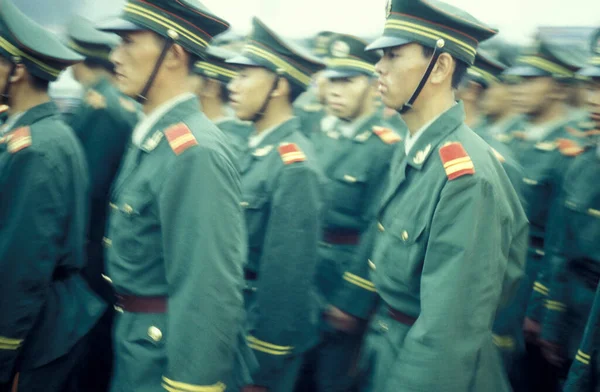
pixel 540 95
pixel 103 124
pixel 573 249
pixel 47 307
pixel 451 232
pixel 213 75
pixel 281 185
pixel 175 241
pixel 355 155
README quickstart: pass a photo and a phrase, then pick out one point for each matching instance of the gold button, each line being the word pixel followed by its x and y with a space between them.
pixel 113 206
pixel 107 242
pixel 155 334
pixel 383 326
pixel 349 178
pixel 244 204
pixel 380 227
pixel 529 181
pixel 539 252
pixel 106 278
pixel 128 209
pixel 405 235
pixel 118 309
pixel 372 265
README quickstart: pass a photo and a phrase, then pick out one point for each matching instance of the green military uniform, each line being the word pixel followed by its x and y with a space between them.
pixel 103 123
pixel 47 308
pixel 281 184
pixel 355 157
pixel 573 249
pixel 175 242
pixel 3 114
pixel 449 228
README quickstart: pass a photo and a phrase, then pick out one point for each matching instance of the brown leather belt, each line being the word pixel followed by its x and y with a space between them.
pixel 341 237
pixel 133 304
pixel 401 317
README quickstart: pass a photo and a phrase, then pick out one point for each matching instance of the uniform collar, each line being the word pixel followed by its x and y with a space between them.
pixel 272 137
pixel 147 122
pixel 434 133
pixel 32 116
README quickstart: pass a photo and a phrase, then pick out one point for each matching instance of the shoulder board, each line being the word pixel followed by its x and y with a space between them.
pixel 387 135
pixel 127 104
pixel 546 146
pixel 456 161
pixel 3 108
pixel 498 155
pixel 290 153
pixel 576 132
pixel 94 99
pixel 503 137
pixel 569 148
pixel 18 140
pixel 313 107
pixel 180 138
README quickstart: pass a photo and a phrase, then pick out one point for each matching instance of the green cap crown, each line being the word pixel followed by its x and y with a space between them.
pixel 23 40
pixel 592 70
pixel 91 43
pixel 346 56
pixel 266 49
pixel 215 65
pixel 548 59
pixel 485 70
pixel 187 22
pixel 427 22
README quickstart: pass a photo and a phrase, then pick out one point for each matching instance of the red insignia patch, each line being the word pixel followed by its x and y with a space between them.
pixel 19 140
pixel 291 153
pixel 457 162
pixel 387 135
pixel 180 138
pixel 569 148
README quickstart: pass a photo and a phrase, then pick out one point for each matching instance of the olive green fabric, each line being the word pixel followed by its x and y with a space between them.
pixel 47 307
pixel 215 65
pixel 176 230
pixel 266 49
pixel 187 22
pixel 574 253
pixel 440 242
pixel 93 44
pixel 485 70
pixel 321 43
pixel 428 22
pixel 346 57
pixel 282 201
pixel 23 40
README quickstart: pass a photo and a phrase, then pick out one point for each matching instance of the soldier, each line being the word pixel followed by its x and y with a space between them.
pixel 281 188
pixel 355 156
pixel 449 222
pixel 572 247
pixel 103 124
pixel 213 75
pixel 47 308
pixel 3 113
pixel 540 96
pixel 175 242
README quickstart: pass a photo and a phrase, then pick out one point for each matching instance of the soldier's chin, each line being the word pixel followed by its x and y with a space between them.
pixel 244 116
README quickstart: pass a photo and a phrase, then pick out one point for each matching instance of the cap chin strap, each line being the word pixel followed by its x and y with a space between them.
pixel 261 112
pixel 4 97
pixel 143 96
pixel 437 51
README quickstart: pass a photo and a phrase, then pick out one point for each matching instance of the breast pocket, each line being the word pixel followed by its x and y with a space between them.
pixel 134 224
pixel 403 253
pixel 256 207
pixel 346 192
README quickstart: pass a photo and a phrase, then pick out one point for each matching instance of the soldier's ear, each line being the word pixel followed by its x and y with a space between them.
pixel 19 74
pixel 283 88
pixel 443 69
pixel 560 91
pixel 177 57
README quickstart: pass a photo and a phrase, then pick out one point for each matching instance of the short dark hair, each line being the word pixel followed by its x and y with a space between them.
pixel 38 83
pixel 295 91
pixel 97 64
pixel 459 71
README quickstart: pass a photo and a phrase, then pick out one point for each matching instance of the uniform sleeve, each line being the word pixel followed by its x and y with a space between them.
pixel 460 291
pixel 285 288
pixel 204 244
pixel 32 221
pixel 357 295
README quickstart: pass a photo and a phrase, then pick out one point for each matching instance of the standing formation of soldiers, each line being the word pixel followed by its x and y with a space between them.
pixel 207 221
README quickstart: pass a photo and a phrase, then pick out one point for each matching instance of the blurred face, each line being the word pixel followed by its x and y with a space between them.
pixel 5 67
pixel 533 94
pixel 469 91
pixel 349 98
pixel 321 83
pixel 400 71
pixel 249 90
pixel 592 99
pixel 134 60
pixel 496 100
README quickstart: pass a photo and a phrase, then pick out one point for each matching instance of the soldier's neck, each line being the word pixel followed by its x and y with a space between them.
pixel 213 108
pixel 552 112
pixel 472 113
pixel 277 112
pixel 425 110
pixel 24 97
pixel 166 95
